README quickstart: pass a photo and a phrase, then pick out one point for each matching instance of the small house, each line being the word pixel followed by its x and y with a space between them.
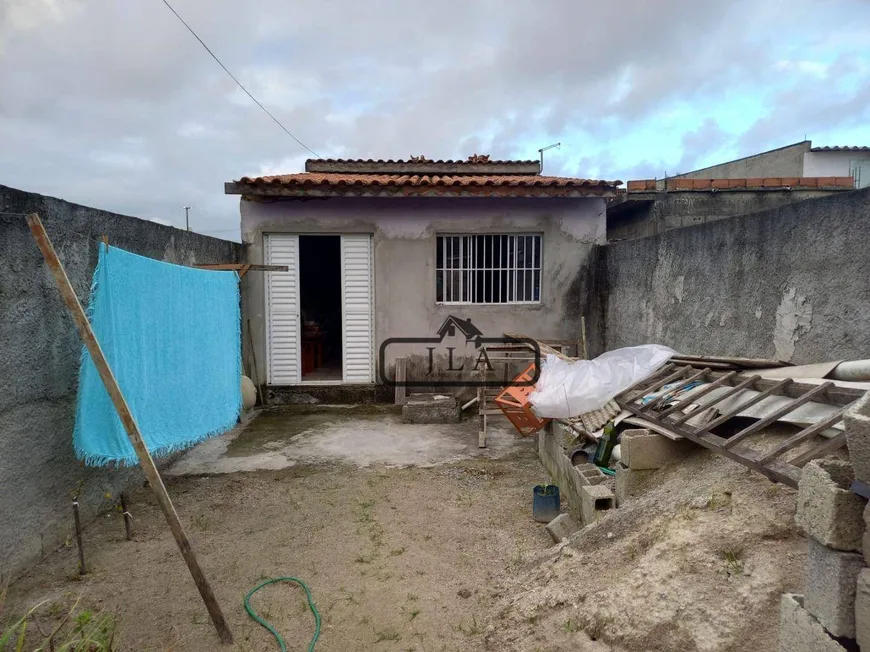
pixel 378 250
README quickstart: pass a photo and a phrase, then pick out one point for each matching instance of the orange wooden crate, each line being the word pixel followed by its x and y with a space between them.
pixel 513 401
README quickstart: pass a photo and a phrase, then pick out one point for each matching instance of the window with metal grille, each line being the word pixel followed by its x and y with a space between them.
pixel 488 268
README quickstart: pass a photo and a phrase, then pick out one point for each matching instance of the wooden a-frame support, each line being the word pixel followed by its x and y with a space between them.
pixel 130 425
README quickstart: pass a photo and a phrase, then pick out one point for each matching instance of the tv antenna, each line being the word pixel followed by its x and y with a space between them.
pixel 187 216
pixel 544 149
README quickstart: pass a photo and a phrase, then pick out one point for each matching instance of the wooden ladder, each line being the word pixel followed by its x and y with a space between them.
pixel 770 463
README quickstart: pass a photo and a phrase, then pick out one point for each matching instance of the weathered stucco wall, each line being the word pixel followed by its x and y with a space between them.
pixel 791 283
pixel 782 162
pixel 403 232
pixel 632 217
pixel 838 164
pixel 39 364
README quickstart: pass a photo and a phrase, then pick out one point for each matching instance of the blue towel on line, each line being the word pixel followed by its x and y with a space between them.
pixel 172 337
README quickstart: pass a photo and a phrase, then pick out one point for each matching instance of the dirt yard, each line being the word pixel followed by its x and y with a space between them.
pixel 397 557
pixel 411 538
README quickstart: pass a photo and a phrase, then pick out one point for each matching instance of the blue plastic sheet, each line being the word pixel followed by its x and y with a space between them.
pixel 172 337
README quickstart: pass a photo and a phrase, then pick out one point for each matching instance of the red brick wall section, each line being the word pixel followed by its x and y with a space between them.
pixel 768 183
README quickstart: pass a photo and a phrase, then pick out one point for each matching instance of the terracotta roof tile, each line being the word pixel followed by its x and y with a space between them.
pixel 441 184
pixel 400 161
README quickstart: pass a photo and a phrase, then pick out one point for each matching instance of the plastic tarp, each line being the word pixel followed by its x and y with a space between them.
pixel 567 389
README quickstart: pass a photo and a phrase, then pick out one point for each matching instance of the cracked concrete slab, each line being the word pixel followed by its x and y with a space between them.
pixel 361 435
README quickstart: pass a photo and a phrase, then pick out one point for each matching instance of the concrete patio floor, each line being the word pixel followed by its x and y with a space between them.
pixel 360 435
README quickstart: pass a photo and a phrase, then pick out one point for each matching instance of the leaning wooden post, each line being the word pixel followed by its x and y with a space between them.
pixel 130 425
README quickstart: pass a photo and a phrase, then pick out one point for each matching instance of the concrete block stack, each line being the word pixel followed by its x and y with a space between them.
pixel 595 499
pixel 642 453
pixel 857 421
pixel 430 408
pixel 589 474
pixel 833 519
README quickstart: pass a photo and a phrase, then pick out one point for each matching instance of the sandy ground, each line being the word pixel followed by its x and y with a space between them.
pixel 411 538
pixel 696 563
pixel 398 530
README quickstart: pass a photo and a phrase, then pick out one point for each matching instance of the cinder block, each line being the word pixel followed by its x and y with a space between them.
pixel 826 509
pixel 862 609
pixel 595 499
pixel 799 631
pixel 589 474
pixel 830 590
pixel 561 527
pixel 630 482
pixel 643 450
pixel 857 420
pixel 430 408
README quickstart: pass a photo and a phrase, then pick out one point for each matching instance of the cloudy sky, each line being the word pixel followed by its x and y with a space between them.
pixel 112 103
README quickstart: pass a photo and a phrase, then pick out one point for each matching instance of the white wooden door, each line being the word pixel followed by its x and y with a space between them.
pixel 282 307
pixel 357 308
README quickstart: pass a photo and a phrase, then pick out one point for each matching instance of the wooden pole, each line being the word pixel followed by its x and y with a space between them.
pixel 130 425
pixel 78 522
pixel 128 518
pixel 263 399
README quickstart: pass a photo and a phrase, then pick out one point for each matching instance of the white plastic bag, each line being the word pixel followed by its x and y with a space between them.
pixel 569 389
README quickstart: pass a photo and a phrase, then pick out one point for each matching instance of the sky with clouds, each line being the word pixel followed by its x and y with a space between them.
pixel 113 104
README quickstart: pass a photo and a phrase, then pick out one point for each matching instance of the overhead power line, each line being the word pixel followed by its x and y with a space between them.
pixel 233 77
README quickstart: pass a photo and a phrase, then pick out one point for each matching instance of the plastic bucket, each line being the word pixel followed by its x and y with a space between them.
pixel 545 503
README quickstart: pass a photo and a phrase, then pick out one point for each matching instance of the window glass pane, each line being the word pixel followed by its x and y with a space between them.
pixel 538 251
pixel 527 286
pixel 439 253
pixel 439 286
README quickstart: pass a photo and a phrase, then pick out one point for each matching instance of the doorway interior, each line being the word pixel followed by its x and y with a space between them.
pixel 320 307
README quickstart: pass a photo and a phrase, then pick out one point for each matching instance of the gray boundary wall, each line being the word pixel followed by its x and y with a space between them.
pixel 791 283
pixel 39 356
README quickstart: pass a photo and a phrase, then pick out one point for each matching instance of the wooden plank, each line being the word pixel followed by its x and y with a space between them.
pixel 698 364
pixel 747 382
pixel 789 407
pixel 244 270
pixel 239 266
pixel 481 404
pixel 401 378
pixel 805 434
pixel 658 384
pixel 823 449
pixel 130 425
pixel 703 391
pixel 777 471
pixel 746 404
pixel 837 395
pixel 750 363
pixel 661 399
pixel 544 349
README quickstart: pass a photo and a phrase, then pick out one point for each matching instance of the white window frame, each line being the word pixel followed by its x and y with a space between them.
pixel 457 246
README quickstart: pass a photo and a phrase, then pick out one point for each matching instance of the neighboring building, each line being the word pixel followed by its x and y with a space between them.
pixel 654 206
pixel 797 160
pixel 411 249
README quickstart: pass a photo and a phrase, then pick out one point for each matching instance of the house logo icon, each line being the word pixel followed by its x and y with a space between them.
pixel 464 326
pixel 451 372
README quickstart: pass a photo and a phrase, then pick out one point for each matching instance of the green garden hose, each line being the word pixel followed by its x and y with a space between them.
pixel 268 626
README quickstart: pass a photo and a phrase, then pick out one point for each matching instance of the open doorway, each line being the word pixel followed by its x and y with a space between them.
pixel 320 307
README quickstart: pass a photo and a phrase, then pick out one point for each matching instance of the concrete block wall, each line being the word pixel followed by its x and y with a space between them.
pixel 835 609
pixel 39 366
pixel 772 284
